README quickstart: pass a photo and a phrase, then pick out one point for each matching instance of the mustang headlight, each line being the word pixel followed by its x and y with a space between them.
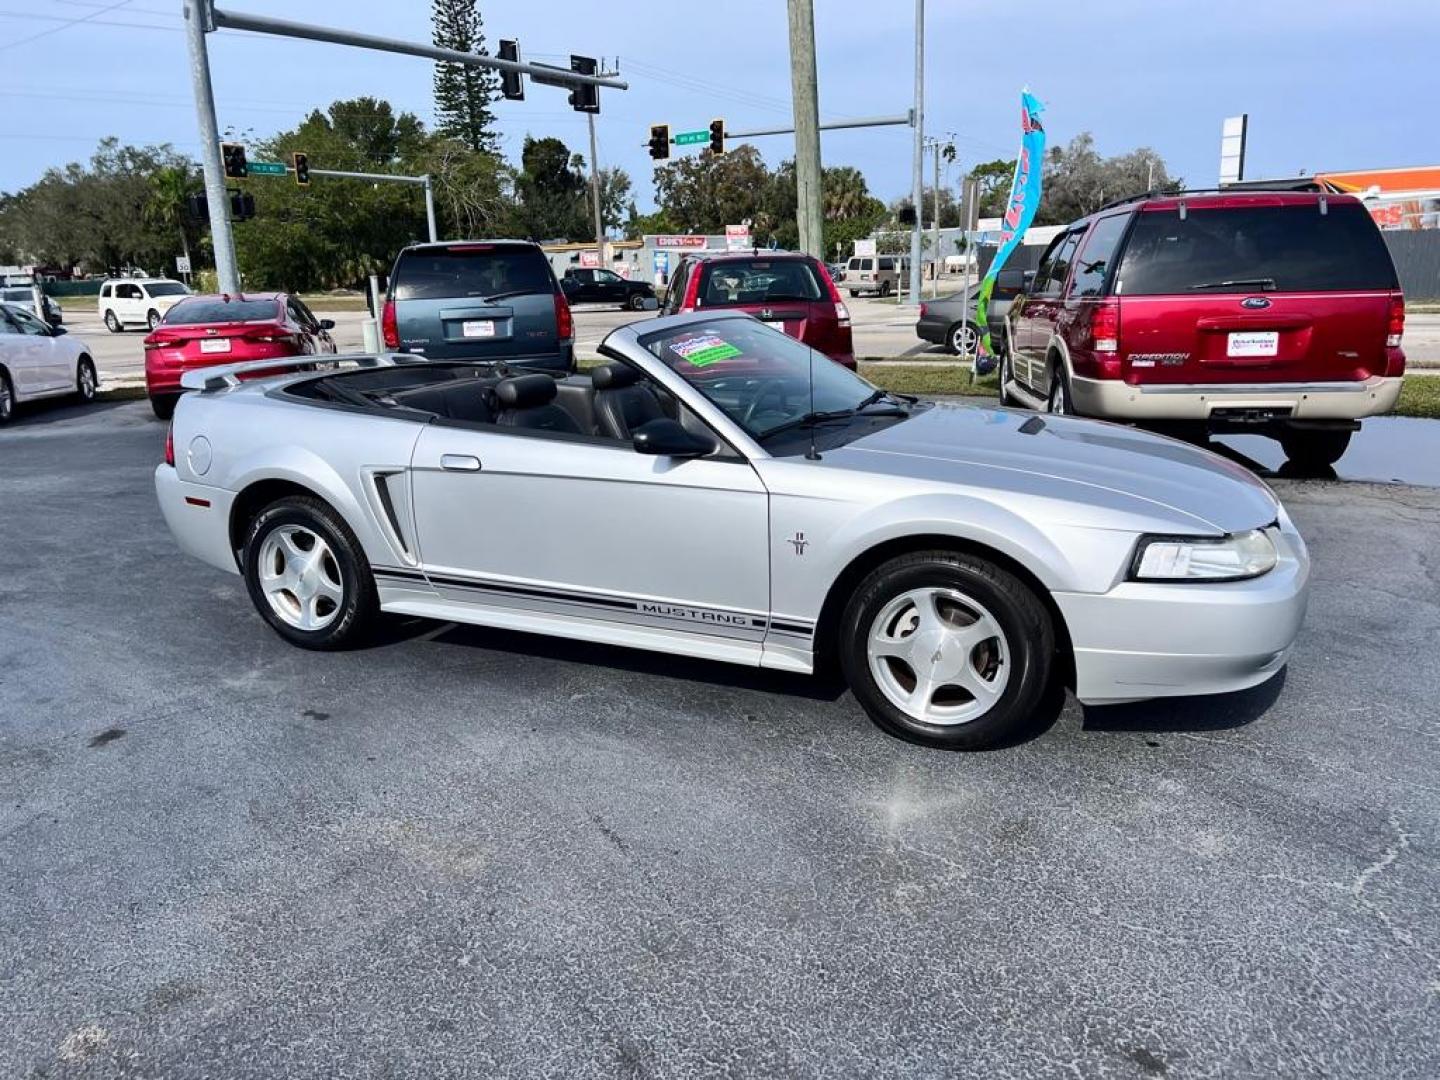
pixel 1200 558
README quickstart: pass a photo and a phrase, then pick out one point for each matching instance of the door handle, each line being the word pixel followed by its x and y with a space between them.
pixel 460 462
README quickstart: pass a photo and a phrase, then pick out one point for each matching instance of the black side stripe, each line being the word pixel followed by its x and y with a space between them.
pixel 535 593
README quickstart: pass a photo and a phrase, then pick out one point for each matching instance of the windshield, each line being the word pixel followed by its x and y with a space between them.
pixel 204 310
pixel 758 281
pixel 1291 248
pixel 166 288
pixel 478 270
pixel 758 376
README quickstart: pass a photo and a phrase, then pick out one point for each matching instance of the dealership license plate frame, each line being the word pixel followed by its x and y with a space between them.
pixel 1253 343
pixel 215 345
pixel 477 328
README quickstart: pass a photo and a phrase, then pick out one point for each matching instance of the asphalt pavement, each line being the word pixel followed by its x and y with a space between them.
pixel 464 852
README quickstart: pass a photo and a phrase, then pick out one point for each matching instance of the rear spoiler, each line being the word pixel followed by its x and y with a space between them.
pixel 227 375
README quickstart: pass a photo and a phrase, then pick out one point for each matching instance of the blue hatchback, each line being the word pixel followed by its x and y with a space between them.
pixel 480 300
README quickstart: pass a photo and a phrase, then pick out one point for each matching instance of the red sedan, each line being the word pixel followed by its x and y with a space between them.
pixel 203 331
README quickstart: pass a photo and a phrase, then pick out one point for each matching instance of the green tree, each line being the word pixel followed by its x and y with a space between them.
pixel 1078 180
pixel 705 193
pixel 463 94
pixel 617 204
pixel 166 207
pixel 994 179
pixel 550 190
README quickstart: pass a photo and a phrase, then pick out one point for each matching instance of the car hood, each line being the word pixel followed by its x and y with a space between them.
pixel 1064 458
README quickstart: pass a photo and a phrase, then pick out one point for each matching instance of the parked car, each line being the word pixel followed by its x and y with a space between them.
pixel 882 275
pixel 38 360
pixel 583 285
pixel 1276 313
pixel 951 320
pixel 203 331
pixel 138 301
pixel 22 297
pixel 837 271
pixel 479 300
pixel 741 503
pixel 789 290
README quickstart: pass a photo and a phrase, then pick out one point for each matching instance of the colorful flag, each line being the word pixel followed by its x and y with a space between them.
pixel 1019 212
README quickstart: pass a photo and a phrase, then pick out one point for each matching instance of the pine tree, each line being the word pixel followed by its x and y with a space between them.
pixel 463 94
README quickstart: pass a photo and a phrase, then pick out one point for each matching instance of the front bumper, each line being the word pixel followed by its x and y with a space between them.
pixel 1114 399
pixel 198 516
pixel 1216 638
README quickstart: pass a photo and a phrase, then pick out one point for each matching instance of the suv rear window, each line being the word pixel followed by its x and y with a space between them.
pixel 758 281
pixel 1245 249
pixel 198 312
pixel 480 270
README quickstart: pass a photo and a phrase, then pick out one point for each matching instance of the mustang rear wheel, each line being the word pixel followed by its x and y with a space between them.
pixel 947 650
pixel 308 576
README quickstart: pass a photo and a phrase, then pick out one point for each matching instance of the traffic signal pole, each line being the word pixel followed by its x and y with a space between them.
pixel 197 25
pixel 918 164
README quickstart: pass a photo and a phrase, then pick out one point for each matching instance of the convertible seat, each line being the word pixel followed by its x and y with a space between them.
pixel 622 402
pixel 528 401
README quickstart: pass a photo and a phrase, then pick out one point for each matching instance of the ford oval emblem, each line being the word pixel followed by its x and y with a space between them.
pixel 1255 302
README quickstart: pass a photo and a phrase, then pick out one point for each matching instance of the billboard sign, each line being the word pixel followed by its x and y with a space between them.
pixel 679 241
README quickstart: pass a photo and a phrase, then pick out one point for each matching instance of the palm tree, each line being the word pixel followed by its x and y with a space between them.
pixel 165 208
pixel 845 195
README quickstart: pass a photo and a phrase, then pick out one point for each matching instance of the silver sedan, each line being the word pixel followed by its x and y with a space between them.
pixel 716 489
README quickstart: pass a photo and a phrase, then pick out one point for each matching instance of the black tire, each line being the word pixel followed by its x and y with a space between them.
pixel 152 320
pixel 956 333
pixel 112 323
pixel 636 302
pixel 7 398
pixel 1007 375
pixel 884 288
pixel 1315 449
pixel 358 608
pixel 86 381
pixel 1022 617
pixel 854 295
pixel 1060 402
pixel 163 405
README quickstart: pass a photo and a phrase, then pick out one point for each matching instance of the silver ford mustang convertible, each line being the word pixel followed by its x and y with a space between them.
pixel 714 489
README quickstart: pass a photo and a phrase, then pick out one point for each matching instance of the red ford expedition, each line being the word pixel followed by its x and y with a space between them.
pixel 788 290
pixel 1274 312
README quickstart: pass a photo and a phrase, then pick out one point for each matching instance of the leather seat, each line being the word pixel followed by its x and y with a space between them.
pixel 622 402
pixel 528 401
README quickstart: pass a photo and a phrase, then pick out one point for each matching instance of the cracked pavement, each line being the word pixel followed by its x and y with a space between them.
pixel 470 853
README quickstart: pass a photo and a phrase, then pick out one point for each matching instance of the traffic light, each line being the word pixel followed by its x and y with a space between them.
pixel 586 96
pixel 197 208
pixel 717 137
pixel 302 168
pixel 242 205
pixel 659 141
pixel 234 157
pixel 512 83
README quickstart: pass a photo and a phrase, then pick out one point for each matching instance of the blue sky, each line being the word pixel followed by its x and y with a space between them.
pixel 1327 84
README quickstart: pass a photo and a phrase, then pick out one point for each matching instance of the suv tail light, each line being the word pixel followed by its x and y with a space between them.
pixel 1105 326
pixel 842 313
pixel 170 444
pixel 1395 329
pixel 389 329
pixel 564 321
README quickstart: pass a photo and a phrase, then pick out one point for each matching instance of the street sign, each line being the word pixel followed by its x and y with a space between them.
pixel 267 168
pixel 182 264
pixel 684 138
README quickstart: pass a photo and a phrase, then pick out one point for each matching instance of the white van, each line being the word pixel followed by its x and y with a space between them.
pixel 138 301
pixel 881 274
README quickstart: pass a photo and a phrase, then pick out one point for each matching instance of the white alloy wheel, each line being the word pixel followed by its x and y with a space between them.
pixel 300 577
pixel 963 339
pixel 938 656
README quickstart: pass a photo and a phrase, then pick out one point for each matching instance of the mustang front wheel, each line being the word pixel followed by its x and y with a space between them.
pixel 308 576
pixel 947 650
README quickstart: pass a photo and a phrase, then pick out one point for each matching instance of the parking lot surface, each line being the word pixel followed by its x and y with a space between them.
pixel 471 853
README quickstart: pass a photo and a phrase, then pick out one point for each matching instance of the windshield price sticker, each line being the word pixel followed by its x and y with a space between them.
pixel 704 351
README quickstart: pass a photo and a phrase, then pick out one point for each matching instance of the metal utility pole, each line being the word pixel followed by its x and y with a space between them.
pixel 935 226
pixel 804 95
pixel 918 165
pixel 595 192
pixel 197 25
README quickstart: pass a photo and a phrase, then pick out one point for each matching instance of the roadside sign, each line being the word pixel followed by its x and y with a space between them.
pixel 182 264
pixel 865 248
pixel 737 237
pixel 589 258
pixel 686 138
pixel 267 168
pixel 687 241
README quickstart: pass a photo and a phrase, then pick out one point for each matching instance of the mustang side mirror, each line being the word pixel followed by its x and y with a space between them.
pixel 668 438
pixel 327 324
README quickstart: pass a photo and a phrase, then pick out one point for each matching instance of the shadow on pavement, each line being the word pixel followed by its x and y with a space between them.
pixel 1212 712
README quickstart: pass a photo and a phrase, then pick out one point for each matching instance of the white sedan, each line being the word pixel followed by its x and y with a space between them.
pixel 39 361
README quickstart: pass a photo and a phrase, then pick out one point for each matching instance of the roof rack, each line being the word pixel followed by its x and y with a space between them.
pixel 1302 184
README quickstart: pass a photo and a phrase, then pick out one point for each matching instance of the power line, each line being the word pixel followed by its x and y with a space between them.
pixel 64 25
